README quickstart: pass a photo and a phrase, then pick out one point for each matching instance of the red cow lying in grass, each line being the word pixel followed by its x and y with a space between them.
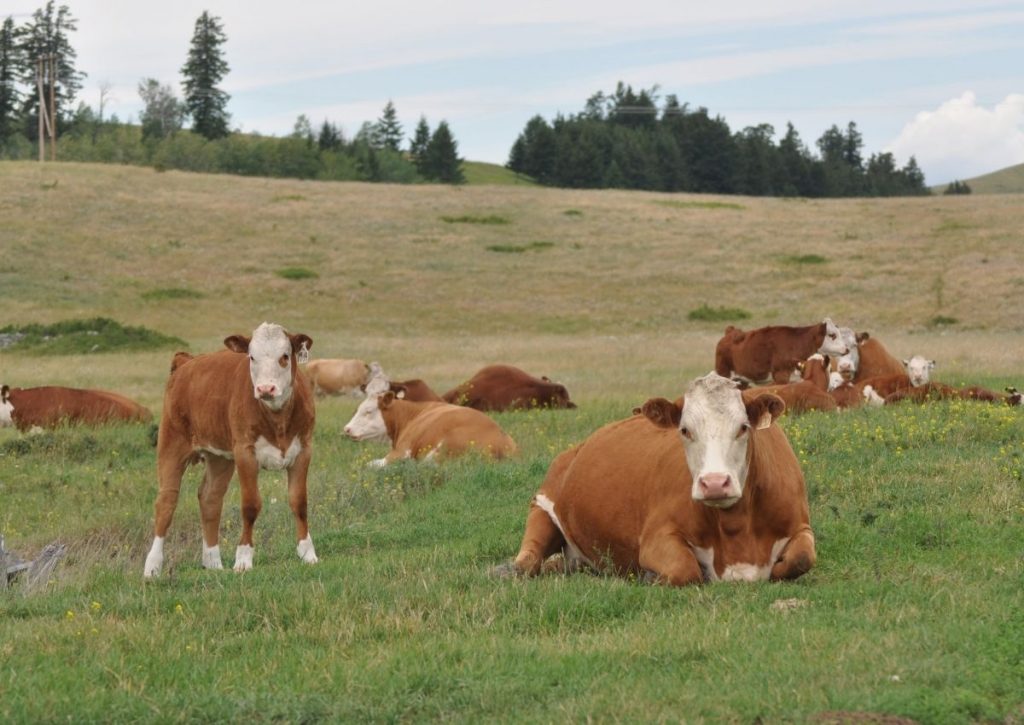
pixel 247 407
pixel 504 387
pixel 50 406
pixel 706 491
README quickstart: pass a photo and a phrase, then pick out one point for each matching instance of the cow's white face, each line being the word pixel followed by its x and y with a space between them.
pixel 6 408
pixel 716 426
pixel 367 423
pixel 850 362
pixel 919 370
pixel 833 344
pixel 273 355
pixel 835 380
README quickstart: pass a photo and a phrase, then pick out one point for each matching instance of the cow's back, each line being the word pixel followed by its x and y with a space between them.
pixel 875 361
pixel 504 387
pixel 452 430
pixel 201 394
pixel 48 406
pixel 609 484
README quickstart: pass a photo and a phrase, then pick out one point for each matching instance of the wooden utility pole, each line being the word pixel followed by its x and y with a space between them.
pixel 46 72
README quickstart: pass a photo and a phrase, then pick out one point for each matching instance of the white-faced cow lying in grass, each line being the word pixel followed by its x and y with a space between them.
pixel 705 490
pixel 247 407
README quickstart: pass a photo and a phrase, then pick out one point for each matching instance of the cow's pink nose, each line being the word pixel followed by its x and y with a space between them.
pixel 265 390
pixel 716 485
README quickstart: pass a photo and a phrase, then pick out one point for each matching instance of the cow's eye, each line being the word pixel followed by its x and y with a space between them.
pixel 686 433
pixel 252 358
pixel 744 429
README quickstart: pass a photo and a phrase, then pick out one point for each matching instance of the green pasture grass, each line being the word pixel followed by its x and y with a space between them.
pixel 519 248
pixel 481 172
pixel 296 273
pixel 171 293
pixel 475 219
pixel 917 514
pixel 679 204
pixel 720 313
pixel 804 259
pixel 97 334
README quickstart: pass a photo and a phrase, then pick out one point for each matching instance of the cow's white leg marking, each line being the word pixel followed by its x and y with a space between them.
pixel 743 572
pixel 871 397
pixel 211 557
pixel 306 551
pixel 154 559
pixel 243 557
pixel 706 559
pixel 434 452
pixel 574 557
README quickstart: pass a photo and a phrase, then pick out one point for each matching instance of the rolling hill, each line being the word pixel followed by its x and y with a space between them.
pixel 1005 181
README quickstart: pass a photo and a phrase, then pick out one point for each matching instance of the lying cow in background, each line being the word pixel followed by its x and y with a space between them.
pixel 811 393
pixel 247 407
pixel 50 406
pixel 867 357
pixel 706 491
pixel 429 430
pixel 503 387
pixel 337 376
pixel 772 353
pixel 939 391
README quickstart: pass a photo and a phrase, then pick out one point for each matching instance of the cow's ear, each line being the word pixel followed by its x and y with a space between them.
pixel 826 362
pixel 663 413
pixel 301 345
pixel 400 391
pixel 384 400
pixel 862 336
pixel 545 378
pixel 237 343
pixel 5 394
pixel 638 410
pixel 763 409
pixel 905 362
pixel 931 364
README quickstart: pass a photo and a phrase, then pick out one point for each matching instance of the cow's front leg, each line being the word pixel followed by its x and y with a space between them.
pixel 211 502
pixel 797 558
pixel 248 479
pixel 297 500
pixel 668 557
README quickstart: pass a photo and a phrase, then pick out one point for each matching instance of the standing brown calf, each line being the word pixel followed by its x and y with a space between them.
pixel 248 407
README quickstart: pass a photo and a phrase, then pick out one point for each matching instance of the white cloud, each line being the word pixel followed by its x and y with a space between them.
pixel 961 139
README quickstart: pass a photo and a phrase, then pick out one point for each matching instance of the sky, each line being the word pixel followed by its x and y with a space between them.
pixel 940 80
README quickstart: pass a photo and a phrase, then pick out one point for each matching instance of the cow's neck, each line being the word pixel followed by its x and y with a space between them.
pixel 278 419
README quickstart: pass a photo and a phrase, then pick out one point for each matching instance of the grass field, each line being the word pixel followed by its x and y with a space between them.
pixel 913 610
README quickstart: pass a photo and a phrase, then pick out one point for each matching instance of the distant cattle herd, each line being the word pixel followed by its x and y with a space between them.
pixel 702 488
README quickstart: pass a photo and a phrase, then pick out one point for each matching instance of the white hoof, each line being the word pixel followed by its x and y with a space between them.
pixel 306 551
pixel 211 557
pixel 243 557
pixel 154 559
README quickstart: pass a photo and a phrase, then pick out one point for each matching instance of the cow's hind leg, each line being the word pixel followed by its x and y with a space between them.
pixel 211 502
pixel 541 539
pixel 297 500
pixel 173 455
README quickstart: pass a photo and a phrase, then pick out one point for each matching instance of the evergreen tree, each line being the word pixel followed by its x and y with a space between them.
pixel 10 64
pixel 47 34
pixel 203 70
pixel 419 142
pixel 441 158
pixel 796 165
pixel 330 137
pixel 540 148
pixel 388 130
pixel 303 129
pixel 163 113
pixel 957 187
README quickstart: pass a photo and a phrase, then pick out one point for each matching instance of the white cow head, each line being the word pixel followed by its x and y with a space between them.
pixel 6 408
pixel 835 380
pixel 918 370
pixel 716 427
pixel 273 357
pixel 833 343
pixel 367 423
pixel 849 363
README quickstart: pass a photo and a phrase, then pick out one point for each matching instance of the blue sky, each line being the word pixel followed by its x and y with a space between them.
pixel 942 80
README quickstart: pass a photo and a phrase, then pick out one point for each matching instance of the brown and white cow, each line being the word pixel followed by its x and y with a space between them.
pixel 247 407
pixel 336 376
pixel 772 353
pixel 811 393
pixel 436 431
pixel 49 406
pixel 706 491
pixel 504 387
